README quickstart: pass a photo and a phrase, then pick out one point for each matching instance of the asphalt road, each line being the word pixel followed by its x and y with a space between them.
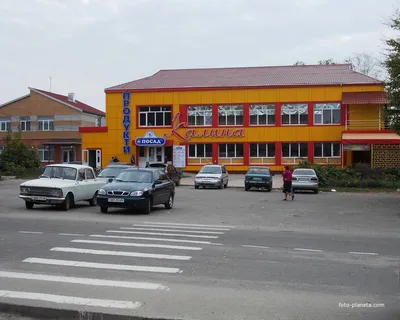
pixel 218 254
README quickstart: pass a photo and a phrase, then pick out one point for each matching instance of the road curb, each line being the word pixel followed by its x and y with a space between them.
pixel 43 313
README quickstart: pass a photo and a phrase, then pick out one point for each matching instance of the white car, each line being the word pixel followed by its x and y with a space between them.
pixel 62 185
pixel 212 176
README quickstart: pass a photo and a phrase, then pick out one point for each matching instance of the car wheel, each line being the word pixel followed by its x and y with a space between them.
pixel 316 191
pixel 246 188
pixel 148 207
pixel 68 203
pixel 178 183
pixel 104 209
pixel 196 187
pixel 226 185
pixel 29 205
pixel 170 202
pixel 221 186
pixel 93 201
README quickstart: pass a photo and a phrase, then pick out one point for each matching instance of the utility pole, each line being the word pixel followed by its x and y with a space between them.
pixel 50 84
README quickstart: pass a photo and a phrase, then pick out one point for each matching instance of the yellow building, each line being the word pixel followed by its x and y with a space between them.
pixel 272 116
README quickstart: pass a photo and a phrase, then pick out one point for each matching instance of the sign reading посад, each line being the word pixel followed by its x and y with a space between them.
pixel 149 140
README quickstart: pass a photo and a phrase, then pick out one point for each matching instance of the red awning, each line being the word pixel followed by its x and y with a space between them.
pixel 372 97
pixel 370 138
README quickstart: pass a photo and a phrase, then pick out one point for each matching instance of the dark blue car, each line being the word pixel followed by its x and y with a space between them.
pixel 258 177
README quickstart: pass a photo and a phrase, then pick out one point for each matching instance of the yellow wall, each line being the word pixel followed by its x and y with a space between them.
pixel 111 143
pixel 364 117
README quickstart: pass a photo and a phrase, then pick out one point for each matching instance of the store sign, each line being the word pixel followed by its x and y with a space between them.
pixel 188 134
pixel 126 122
pixel 356 147
pixel 179 156
pixel 149 140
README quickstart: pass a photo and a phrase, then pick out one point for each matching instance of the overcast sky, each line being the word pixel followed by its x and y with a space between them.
pixel 88 45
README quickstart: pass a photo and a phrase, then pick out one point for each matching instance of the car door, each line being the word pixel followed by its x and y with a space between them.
pixel 164 188
pixel 173 174
pixel 157 188
pixel 91 183
pixel 80 187
pixel 225 176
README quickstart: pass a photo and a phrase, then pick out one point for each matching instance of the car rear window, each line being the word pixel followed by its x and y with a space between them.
pixel 111 172
pixel 304 172
pixel 259 170
pixel 157 165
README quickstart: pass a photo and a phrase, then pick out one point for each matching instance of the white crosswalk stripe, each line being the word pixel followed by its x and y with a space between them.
pixel 157 244
pixel 163 234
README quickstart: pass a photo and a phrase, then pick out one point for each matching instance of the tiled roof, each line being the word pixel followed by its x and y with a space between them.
pixel 307 75
pixel 365 98
pixel 77 104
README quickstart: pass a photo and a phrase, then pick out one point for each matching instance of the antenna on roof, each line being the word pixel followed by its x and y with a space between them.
pixel 50 84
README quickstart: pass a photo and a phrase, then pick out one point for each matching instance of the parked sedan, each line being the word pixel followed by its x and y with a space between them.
pixel 258 177
pixel 212 176
pixel 169 170
pixel 140 188
pixel 305 179
pixel 112 170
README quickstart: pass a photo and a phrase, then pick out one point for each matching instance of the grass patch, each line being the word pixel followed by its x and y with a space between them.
pixel 359 190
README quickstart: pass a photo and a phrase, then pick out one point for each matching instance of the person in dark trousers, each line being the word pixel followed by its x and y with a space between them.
pixel 287 183
pixel 147 165
pixel 133 162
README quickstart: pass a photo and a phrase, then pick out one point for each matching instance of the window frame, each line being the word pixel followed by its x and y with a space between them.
pixel 28 123
pixel 146 113
pixel 43 150
pixel 268 123
pixel 196 145
pixel 298 104
pixel 7 125
pixel 235 115
pixel 46 120
pixel 331 114
pixel 266 150
pixel 299 150
pixel 331 147
pixel 226 151
pixel 200 116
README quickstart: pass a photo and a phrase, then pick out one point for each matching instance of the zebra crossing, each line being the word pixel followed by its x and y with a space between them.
pixel 141 250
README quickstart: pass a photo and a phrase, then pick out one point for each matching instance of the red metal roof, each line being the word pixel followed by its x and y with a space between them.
pixel 77 104
pixel 374 97
pixel 308 75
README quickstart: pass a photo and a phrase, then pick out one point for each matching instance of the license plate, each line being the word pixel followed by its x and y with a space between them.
pixel 39 198
pixel 257 178
pixel 303 179
pixel 118 200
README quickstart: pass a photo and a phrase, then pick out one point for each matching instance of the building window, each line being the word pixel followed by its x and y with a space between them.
pixel 46 154
pixel 230 115
pixel 25 124
pixel 200 115
pixel 262 114
pixel 230 151
pixel 262 150
pixel 45 124
pixel 159 116
pixel 327 113
pixel 293 114
pixel 200 150
pixel 326 150
pixel 294 150
pixel 5 124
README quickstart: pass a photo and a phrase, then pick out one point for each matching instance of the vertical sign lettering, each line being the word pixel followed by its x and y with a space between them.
pixel 126 122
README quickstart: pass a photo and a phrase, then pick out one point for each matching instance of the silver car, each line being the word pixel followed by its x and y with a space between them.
pixel 305 179
pixel 212 176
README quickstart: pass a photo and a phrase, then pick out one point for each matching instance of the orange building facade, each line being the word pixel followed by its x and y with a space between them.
pixel 271 116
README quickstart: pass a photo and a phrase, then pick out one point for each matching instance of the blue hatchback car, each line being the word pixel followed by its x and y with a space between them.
pixel 258 177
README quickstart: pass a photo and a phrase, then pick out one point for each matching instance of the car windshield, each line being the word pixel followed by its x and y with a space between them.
pixel 259 170
pixel 212 170
pixel 135 176
pixel 111 172
pixel 304 172
pixel 59 173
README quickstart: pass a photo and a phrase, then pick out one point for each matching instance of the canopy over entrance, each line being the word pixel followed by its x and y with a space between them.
pixel 370 138
pixel 370 97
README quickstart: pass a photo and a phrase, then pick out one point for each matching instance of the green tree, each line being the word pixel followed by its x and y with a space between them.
pixel 17 157
pixel 327 62
pixel 392 112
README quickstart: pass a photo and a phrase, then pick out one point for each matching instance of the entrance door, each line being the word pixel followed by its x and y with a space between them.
pixel 361 157
pixel 92 158
pixel 155 154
